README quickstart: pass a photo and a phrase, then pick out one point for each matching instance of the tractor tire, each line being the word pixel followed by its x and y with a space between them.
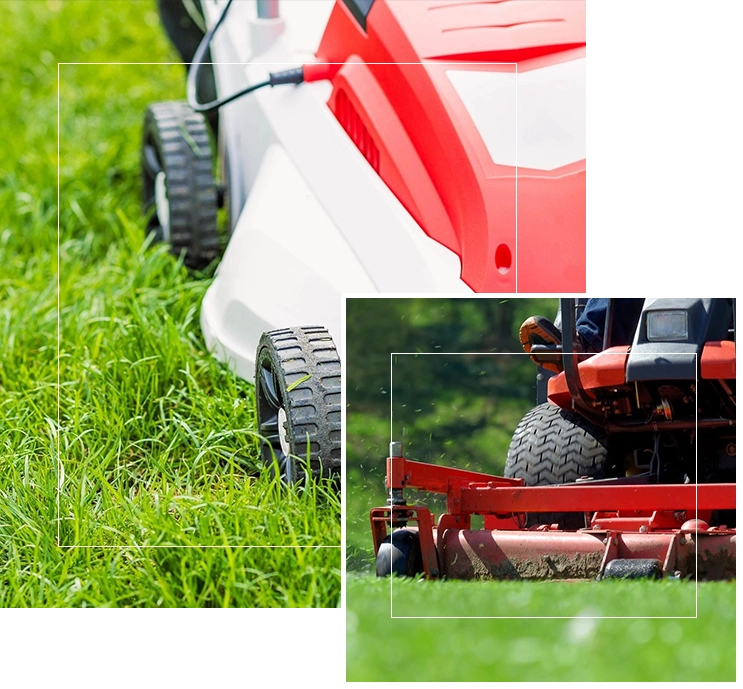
pixel 552 446
pixel 179 193
pixel 400 554
pixel 298 403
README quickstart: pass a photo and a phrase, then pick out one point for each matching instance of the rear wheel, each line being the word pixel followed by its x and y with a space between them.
pixel 298 402
pixel 553 445
pixel 178 189
pixel 400 554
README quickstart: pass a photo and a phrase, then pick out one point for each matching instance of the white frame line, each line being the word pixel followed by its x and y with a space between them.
pixel 498 617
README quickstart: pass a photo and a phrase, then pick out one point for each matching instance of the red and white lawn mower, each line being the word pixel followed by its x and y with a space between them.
pixel 626 470
pixel 426 146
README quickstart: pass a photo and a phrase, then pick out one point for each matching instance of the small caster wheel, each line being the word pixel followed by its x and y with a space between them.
pixel 400 554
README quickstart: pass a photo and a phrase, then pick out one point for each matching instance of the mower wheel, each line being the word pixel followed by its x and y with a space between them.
pixel 638 568
pixel 298 402
pixel 552 445
pixel 400 554
pixel 178 189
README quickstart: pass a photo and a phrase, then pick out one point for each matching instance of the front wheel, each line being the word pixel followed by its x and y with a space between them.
pixel 400 554
pixel 298 403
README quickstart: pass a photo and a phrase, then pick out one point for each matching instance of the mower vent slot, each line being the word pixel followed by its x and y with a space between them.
pixel 351 121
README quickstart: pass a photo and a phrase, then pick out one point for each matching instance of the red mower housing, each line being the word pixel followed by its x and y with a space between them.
pixel 473 113
pixel 632 530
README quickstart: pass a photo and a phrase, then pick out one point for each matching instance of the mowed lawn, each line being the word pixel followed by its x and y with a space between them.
pixel 585 644
pixel 129 455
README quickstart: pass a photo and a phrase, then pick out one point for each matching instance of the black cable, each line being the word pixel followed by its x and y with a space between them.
pixel 289 76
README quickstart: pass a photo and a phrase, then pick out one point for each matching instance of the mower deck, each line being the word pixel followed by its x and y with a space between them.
pixel 633 529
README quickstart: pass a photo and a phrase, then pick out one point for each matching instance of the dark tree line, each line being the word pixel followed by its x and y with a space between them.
pixel 452 394
pixel 377 327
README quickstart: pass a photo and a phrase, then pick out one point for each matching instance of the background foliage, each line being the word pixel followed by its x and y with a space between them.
pixel 457 402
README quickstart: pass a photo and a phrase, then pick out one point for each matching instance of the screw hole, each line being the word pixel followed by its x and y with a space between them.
pixel 503 258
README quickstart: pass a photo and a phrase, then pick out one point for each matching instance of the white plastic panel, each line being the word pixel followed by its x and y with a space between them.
pixel 317 223
pixel 535 119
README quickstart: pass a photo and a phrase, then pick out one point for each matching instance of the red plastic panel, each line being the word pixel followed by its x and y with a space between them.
pixel 605 369
pixel 506 31
pixel 718 360
pixel 399 163
pixel 552 223
pixel 432 155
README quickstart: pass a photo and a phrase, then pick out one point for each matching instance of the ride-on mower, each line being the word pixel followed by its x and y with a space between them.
pixel 387 158
pixel 626 470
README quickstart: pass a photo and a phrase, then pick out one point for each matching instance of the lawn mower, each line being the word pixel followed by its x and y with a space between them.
pixel 389 160
pixel 625 469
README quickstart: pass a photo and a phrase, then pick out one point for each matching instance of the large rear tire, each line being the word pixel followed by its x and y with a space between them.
pixel 553 445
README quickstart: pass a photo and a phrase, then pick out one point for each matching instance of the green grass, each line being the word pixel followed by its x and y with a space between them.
pixel 585 646
pixel 158 490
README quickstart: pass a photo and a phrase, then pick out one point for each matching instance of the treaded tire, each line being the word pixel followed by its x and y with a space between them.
pixel 551 446
pixel 298 402
pixel 400 554
pixel 176 145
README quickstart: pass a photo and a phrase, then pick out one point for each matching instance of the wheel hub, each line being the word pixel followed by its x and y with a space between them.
pixel 283 436
pixel 162 205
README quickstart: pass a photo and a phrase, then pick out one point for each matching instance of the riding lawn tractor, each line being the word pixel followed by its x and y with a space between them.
pixel 626 467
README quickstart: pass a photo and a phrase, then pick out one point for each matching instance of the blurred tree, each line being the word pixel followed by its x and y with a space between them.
pixel 435 373
pixel 375 328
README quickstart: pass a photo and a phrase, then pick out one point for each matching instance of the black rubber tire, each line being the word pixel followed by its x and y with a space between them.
pixel 298 372
pixel 176 142
pixel 636 568
pixel 185 34
pixel 553 445
pixel 400 554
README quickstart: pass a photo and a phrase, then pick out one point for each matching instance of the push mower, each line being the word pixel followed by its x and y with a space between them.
pixel 387 160
pixel 626 469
